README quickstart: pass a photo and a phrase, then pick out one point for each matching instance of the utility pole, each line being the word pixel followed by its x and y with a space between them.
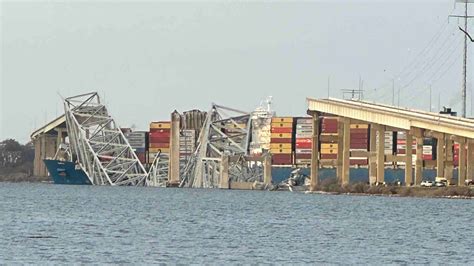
pixel 399 97
pixel 439 102
pixel 464 70
pixel 464 82
pixel 430 98
pixel 329 84
pixel 393 92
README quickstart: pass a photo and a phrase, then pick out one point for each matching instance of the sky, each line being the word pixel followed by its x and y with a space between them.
pixel 147 59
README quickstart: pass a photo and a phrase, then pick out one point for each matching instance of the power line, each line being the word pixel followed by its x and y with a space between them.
pixel 429 64
pixel 429 45
pixel 416 95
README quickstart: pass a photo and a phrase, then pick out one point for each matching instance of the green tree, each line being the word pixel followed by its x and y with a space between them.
pixel 11 145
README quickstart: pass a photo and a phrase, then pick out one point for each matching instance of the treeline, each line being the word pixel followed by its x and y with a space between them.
pixel 16 157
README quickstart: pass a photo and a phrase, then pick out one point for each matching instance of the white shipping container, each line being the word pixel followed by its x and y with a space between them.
pixel 303 161
pixel 303 150
pixel 304 126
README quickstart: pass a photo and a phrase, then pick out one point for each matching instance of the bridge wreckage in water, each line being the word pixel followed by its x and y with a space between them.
pixel 99 151
pixel 98 146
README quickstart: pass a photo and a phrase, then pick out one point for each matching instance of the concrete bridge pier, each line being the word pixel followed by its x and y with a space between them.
pixel 449 159
pixel 440 155
pixel 173 173
pixel 372 155
pixel 462 162
pixel 267 169
pixel 381 155
pixel 224 172
pixel 470 159
pixel 315 153
pixel 419 156
pixel 346 140
pixel 408 159
pixel 340 149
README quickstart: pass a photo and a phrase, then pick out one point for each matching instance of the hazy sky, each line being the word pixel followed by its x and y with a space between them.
pixel 150 58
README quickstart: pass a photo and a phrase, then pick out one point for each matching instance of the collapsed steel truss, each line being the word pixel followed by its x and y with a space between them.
pixel 98 145
pixel 158 172
pixel 226 131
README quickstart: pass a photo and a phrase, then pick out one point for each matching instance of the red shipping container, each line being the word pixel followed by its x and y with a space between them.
pixel 159 140
pixel 304 140
pixel 278 140
pixel 303 145
pixel 329 120
pixel 359 131
pixel 359 162
pixel 328 156
pixel 329 127
pixel 403 151
pixel 159 130
pixel 427 157
pixel 359 135
pixel 160 145
pixel 358 146
pixel 287 156
pixel 282 130
pixel 359 141
pixel 281 162
pixel 282 159
pixel 159 134
pixel 303 156
pixel 325 130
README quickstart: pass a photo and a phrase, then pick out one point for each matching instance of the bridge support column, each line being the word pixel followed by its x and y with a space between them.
pixel 315 153
pixel 470 159
pixel 440 156
pixel 409 160
pixel 224 172
pixel 340 149
pixel 267 169
pixel 173 173
pixel 449 166
pixel 346 151
pixel 419 157
pixel 372 155
pixel 381 155
pixel 462 162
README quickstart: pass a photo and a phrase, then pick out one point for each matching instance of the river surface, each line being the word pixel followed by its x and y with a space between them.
pixel 46 223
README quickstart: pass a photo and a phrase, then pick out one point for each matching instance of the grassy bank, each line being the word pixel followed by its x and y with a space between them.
pixel 331 186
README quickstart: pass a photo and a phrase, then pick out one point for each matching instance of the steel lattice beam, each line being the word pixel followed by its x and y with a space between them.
pixel 98 144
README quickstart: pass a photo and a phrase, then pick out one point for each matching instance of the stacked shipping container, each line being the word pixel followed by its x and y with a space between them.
pixel 359 142
pixel 159 139
pixel 281 142
pixel 187 144
pixel 138 141
pixel 402 146
pixel 428 149
pixel 328 128
pixel 303 141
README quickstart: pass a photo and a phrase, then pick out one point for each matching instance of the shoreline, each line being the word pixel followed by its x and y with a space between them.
pixel 387 195
pixel 358 189
pixel 23 177
pixel 410 192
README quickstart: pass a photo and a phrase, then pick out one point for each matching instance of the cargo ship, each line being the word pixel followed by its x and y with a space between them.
pixel 288 139
pixel 66 172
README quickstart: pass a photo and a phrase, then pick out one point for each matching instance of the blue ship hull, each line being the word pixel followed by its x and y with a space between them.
pixel 65 172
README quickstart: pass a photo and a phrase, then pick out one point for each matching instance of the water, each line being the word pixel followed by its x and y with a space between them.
pixel 45 223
